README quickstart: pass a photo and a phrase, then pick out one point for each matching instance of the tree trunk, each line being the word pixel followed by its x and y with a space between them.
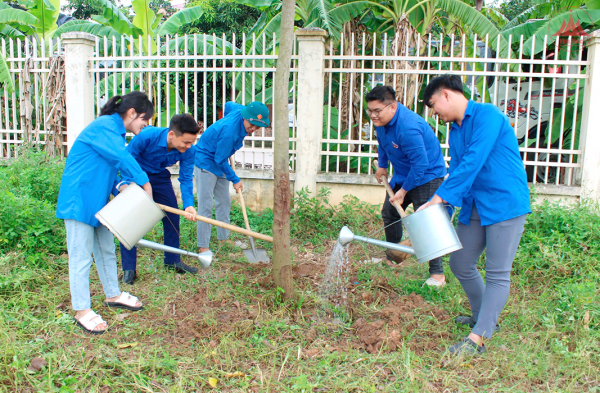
pixel 282 266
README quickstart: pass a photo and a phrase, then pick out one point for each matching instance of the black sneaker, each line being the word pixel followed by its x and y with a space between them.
pixel 129 276
pixel 464 320
pixel 466 347
pixel 181 267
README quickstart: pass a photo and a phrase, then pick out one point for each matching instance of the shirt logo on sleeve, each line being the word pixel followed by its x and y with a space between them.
pixel 394 144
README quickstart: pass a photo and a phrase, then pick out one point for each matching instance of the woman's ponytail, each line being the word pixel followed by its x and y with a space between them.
pixel 110 107
pixel 121 104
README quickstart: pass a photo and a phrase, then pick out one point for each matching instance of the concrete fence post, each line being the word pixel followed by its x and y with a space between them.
pixel 311 54
pixel 589 140
pixel 79 82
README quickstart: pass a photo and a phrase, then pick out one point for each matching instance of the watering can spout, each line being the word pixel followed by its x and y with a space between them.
pixel 346 236
pixel 204 258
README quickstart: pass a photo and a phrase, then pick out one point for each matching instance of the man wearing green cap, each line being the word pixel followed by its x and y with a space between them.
pixel 212 170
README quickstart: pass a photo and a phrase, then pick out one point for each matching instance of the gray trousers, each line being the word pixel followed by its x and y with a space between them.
pixel 209 187
pixel 500 241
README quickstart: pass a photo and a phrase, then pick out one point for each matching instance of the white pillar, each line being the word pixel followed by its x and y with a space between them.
pixel 311 54
pixel 590 120
pixel 79 82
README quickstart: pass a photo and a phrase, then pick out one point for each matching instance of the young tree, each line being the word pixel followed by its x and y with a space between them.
pixel 282 266
pixel 84 9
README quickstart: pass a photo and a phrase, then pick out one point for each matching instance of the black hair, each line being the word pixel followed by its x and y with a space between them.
pixel 447 81
pixel 382 94
pixel 184 124
pixel 136 100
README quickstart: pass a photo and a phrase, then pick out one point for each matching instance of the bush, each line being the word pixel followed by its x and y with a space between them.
pixel 315 220
pixel 29 188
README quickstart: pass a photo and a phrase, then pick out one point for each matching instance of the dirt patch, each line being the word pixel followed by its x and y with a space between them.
pixel 397 322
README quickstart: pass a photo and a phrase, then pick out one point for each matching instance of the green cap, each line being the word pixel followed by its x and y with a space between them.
pixel 257 113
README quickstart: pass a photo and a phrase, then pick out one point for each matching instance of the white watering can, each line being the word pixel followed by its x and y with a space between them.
pixel 133 213
pixel 430 231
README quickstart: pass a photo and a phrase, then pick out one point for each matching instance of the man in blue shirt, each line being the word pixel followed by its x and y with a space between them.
pixel 155 149
pixel 488 181
pixel 213 171
pixel 407 141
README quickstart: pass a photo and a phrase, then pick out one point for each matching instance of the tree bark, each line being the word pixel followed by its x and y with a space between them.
pixel 282 266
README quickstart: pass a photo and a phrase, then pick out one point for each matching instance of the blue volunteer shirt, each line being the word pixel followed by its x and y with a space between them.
pixel 220 141
pixel 485 167
pixel 150 150
pixel 410 145
pixel 91 170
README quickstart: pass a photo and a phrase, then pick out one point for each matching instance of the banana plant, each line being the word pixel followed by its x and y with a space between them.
pixel 16 23
pixel 46 12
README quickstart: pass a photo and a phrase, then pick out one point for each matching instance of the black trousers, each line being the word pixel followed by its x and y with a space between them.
pixel 418 196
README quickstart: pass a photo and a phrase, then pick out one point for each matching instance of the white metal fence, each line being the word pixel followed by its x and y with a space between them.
pixel 28 112
pixel 194 74
pixel 542 95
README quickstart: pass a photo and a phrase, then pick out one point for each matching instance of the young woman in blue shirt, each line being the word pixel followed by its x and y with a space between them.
pixel 487 180
pixel 90 176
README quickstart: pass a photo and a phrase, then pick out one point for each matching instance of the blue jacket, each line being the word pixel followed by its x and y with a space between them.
pixel 91 170
pixel 412 147
pixel 485 167
pixel 150 150
pixel 220 141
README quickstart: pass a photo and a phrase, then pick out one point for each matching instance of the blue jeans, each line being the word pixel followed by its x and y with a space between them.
pixel 163 193
pixel 211 187
pixel 83 240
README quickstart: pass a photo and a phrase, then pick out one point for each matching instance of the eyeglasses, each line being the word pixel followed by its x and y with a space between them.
pixel 259 121
pixel 377 112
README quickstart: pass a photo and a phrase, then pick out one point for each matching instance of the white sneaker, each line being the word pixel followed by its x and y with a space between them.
pixel 432 282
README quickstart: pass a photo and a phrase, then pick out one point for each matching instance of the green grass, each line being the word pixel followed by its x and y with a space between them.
pixel 230 319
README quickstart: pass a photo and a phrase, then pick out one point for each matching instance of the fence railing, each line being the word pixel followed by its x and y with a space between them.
pixel 542 94
pixel 33 111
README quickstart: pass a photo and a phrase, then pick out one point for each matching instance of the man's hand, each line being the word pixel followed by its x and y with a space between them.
pixel 190 213
pixel 123 187
pixel 238 187
pixel 148 188
pixel 380 172
pixel 433 201
pixel 399 197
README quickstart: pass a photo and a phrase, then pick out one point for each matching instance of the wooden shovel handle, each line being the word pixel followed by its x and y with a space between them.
pixel 242 203
pixel 243 231
pixel 391 193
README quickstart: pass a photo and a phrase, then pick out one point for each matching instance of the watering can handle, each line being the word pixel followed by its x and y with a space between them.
pixel 391 193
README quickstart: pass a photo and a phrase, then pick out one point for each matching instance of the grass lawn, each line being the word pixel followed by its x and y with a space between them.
pixel 228 327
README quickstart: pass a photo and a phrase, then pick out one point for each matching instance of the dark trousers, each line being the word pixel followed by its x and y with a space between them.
pixel 418 196
pixel 163 193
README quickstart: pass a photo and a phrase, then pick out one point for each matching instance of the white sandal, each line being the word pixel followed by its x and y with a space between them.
pixel 126 301
pixel 89 322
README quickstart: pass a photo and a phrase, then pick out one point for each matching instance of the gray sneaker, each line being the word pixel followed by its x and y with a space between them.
pixel 466 347
pixel 464 320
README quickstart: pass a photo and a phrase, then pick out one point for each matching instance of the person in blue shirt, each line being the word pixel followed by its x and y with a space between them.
pixel 155 149
pixel 408 142
pixel 212 169
pixel 488 181
pixel 89 178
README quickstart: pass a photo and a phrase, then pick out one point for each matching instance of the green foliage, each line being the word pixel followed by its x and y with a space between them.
pixel 222 17
pixel 29 188
pixel 314 220
pixel 557 240
pixel 84 9
pixel 46 12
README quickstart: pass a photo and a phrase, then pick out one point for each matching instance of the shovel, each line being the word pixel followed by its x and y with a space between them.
pixel 255 255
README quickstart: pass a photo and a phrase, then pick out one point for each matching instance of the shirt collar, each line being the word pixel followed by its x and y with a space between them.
pixel 162 140
pixel 468 112
pixel 119 120
pixel 396 115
